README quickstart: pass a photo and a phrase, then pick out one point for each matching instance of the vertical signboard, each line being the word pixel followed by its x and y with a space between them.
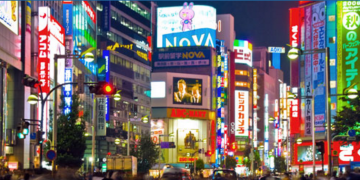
pixel 318 64
pixel 68 91
pixel 243 52
pixel 101 114
pixel 67 17
pixel 104 75
pixel 348 45
pixel 266 130
pixel 241 113
pixel 43 67
pixel 294 117
pixel 294 42
pixel 106 20
pixel 255 106
pixel 308 78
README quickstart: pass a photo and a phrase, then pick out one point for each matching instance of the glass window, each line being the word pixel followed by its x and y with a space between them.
pixel 135 66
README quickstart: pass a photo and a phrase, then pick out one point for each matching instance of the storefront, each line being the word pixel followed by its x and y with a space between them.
pixel 343 154
pixel 189 129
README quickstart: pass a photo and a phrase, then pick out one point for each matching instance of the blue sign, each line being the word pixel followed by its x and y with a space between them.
pixel 106 57
pixel 51 155
pixel 33 136
pixel 198 37
pixel 67 91
pixel 276 60
pixel 67 18
pixel 351 133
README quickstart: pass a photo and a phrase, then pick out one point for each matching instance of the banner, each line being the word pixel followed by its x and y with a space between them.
pixel 318 65
pixel 348 45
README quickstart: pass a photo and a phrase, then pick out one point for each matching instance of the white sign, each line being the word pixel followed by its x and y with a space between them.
pixel 276 49
pixel 187 25
pixel 9 15
pixel 243 52
pixel 101 121
pixel 241 113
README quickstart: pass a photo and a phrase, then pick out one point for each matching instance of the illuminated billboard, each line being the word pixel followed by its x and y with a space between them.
pixel 243 52
pixel 182 58
pixel 348 45
pixel 9 15
pixel 187 91
pixel 187 25
pixel 241 113
pixel 51 42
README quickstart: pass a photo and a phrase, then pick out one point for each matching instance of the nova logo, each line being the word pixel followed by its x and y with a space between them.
pixel 191 55
pixel 199 37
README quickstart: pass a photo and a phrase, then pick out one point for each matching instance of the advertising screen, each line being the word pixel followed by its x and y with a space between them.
pixel 187 25
pixel 241 113
pixel 187 91
pixel 348 45
pixel 9 15
pixel 305 154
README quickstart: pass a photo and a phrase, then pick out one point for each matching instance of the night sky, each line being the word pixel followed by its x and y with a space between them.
pixel 263 23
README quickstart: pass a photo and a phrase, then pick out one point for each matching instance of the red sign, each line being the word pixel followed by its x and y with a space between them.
pixel 213 136
pixel 187 113
pixel 43 67
pixel 294 42
pixel 294 117
pixel 187 159
pixel 150 45
pixel 89 11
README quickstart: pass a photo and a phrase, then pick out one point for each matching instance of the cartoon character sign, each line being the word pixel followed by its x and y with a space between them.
pixel 186 14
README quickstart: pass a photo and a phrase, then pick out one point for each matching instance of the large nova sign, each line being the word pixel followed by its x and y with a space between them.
pixel 186 26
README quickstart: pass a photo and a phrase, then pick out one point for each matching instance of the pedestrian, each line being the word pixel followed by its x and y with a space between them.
pixel 311 176
pixel 286 176
pixel 27 175
pixel 333 177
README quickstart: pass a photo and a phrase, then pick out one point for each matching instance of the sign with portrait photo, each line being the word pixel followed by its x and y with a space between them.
pixel 186 144
pixel 187 91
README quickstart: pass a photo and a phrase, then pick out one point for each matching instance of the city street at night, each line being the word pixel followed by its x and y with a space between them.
pixel 179 90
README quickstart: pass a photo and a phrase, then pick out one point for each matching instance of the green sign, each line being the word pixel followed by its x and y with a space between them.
pixel 348 46
pixel 103 167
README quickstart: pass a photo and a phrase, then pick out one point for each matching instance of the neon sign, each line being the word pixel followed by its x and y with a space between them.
pixel 241 113
pixel 243 52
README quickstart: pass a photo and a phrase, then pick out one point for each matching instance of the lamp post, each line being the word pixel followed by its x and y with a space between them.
pixel 293 54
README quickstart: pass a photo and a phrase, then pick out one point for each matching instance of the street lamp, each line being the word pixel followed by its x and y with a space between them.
pixel 293 54
pixel 33 99
pixel 352 93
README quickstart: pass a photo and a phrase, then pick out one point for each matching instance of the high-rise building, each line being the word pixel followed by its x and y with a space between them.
pixel 124 45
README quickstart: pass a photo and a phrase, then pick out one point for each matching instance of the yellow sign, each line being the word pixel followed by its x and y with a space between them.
pixel 117 45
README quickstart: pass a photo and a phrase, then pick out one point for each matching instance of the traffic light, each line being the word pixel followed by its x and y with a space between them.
pixel 320 146
pixel 103 88
pixel 25 127
pixel 19 132
pixel 39 138
pixel 208 153
pixel 30 82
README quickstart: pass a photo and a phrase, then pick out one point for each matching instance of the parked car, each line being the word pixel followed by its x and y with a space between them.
pixel 223 174
pixel 176 174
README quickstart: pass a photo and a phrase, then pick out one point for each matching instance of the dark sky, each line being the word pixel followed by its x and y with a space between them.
pixel 263 23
